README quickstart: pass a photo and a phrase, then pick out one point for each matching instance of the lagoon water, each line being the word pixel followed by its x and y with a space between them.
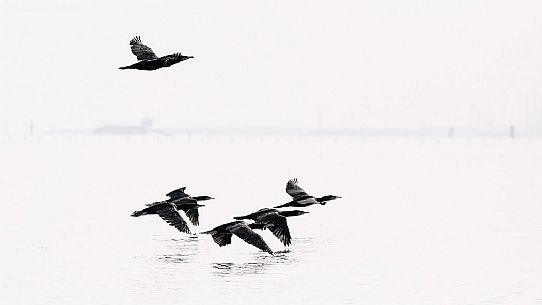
pixel 421 221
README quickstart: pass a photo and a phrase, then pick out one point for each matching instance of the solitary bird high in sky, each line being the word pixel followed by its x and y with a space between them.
pixel 147 60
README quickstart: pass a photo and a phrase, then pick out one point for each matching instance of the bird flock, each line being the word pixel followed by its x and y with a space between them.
pixel 271 219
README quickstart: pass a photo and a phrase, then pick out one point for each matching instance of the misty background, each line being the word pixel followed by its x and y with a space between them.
pixel 260 64
pixel 422 220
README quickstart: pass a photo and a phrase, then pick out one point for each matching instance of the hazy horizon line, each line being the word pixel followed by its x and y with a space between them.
pixel 510 131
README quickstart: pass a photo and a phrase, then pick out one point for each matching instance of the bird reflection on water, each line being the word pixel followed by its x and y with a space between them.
pixel 179 250
pixel 259 264
pixel 186 251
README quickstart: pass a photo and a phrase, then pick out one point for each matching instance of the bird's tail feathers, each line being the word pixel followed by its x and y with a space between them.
pixel 208 232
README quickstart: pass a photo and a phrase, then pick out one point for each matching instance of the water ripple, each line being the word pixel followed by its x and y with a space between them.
pixel 179 250
pixel 259 263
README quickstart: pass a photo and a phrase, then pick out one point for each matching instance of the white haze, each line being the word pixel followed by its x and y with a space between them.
pixel 422 220
pixel 260 63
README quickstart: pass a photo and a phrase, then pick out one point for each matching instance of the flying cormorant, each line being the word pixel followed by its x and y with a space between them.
pixel 276 220
pixel 191 211
pixel 180 194
pixel 222 235
pixel 147 60
pixel 187 203
pixel 189 208
pixel 301 198
pixel 168 212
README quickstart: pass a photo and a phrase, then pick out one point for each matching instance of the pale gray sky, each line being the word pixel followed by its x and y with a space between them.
pixel 272 63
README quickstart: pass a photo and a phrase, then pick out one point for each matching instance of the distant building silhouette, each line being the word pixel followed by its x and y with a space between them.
pixel 451 132
pixel 512 132
pixel 145 126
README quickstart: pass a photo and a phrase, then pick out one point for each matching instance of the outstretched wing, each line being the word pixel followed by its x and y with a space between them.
pixel 222 239
pixel 279 227
pixel 293 189
pixel 193 215
pixel 141 51
pixel 251 237
pixel 172 217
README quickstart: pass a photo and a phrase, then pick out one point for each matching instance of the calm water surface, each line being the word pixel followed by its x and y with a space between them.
pixel 420 222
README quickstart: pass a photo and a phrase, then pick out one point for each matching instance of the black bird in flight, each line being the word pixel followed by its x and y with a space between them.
pixel 223 233
pixel 301 198
pixel 186 203
pixel 147 60
pixel 168 212
pixel 275 221
pixel 190 209
pixel 180 194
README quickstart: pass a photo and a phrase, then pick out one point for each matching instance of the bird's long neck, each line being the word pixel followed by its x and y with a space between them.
pixel 290 213
pixel 326 198
pixel 201 198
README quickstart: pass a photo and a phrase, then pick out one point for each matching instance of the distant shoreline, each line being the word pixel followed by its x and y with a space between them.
pixel 423 132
